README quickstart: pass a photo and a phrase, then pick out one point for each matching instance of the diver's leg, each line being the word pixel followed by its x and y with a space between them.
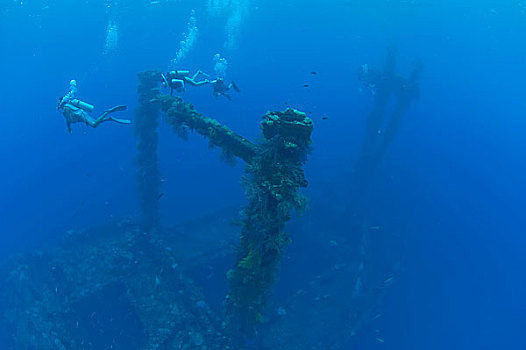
pixel 233 85
pixel 120 121
pixel 191 81
pixel 205 74
pixel 194 77
pixel 90 121
pixel 104 117
pixel 197 83
pixel 116 109
pixel 96 122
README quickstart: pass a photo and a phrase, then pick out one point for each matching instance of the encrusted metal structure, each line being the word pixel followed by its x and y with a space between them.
pixel 273 177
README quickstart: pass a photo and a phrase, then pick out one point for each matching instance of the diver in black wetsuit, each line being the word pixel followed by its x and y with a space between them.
pixel 220 88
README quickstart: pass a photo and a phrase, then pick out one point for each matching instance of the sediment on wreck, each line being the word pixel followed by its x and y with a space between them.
pixel 99 290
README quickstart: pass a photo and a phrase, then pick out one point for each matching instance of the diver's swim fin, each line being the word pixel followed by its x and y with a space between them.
pixel 120 121
pixel 116 109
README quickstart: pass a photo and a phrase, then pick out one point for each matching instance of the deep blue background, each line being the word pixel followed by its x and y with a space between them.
pixel 454 176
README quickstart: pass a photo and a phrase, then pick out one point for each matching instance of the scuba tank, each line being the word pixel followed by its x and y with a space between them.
pixel 179 73
pixel 82 105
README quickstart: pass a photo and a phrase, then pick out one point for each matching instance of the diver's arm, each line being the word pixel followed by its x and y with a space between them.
pixel 71 93
pixel 198 73
pixel 65 113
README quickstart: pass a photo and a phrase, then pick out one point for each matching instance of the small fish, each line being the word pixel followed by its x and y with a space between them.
pixel 306 85
pixel 388 280
pixel 160 196
pixel 313 73
pixel 324 118
pixel 380 340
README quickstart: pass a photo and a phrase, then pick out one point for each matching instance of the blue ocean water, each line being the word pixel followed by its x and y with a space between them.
pixel 450 189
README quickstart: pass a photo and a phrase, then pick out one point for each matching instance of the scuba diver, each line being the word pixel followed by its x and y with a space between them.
pixel 176 80
pixel 76 111
pixel 220 88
